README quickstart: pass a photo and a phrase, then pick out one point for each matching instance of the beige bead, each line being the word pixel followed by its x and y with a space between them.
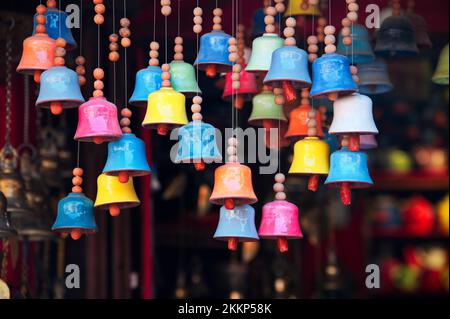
pixel 197 117
pixel 198 11
pixel 237 68
pixel 353 16
pixel 81 70
pixel 330 39
pixel 166 11
pixel 312 114
pixel 218 12
pixel 270 28
pixel 232 141
pixel 280 196
pixel 347 41
pixel 235 76
pixel 125 42
pixel 271 11
pixel 99 74
pixel 80 60
pixel 233 57
pixel 154 46
pixel 291 22
pixel 165 2
pixel 312 131
pixel 232 49
pixel 113 46
pixel 289 32
pixel 304 101
pixel 305 93
pixel 280 178
pixel 280 7
pixel 125 32
pixel 278 187
pixel 231 150
pixel 100 8
pixel 154 54
pixel 197 28
pixel 232 41
pixel 312 123
pixel 165 67
pixel 196 108
pixel 269 19
pixel 277 91
pixel 178 57
pixel 99 19
pixel 197 100
pixel 329 29
pixel 178 40
pixel 165 76
pixel 312 39
pixel 236 85
pixel 353 69
pixel 98 93
pixel 99 85
pixel 353 6
pixel 290 41
pixel 126 112
pixel 346 31
pixel 346 22
pixel 154 62
pixel 198 20
pixel 232 159
pixel 178 48
pixel 81 80
pixel 125 22
pixel 312 57
pixel 125 122
pixel 60 52
pixel 331 48
pixel 166 84
pixel 313 48
pixel 217 27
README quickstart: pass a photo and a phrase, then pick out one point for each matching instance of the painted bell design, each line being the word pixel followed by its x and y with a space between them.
pixel 266 112
pixel 441 74
pixel 353 116
pixel 59 87
pixel 302 8
pixel 262 50
pixel 56 25
pixel 127 157
pixel 348 170
pixel 183 78
pixel 97 121
pixel 360 51
pixel 396 37
pixel 374 78
pixel 246 91
pixel 75 216
pixel 148 80
pixel 236 226
pixel 198 145
pixel 298 123
pixel 331 76
pixel 289 70
pixel 213 53
pixel 311 158
pixel 6 230
pixel 280 221
pixel 38 54
pixel 233 186
pixel 420 29
pixel 166 110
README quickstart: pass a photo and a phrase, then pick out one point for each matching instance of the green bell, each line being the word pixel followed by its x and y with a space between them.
pixel 441 74
pixel 183 78
pixel 265 111
pixel 262 50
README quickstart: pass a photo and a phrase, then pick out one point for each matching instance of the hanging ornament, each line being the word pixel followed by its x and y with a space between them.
pixel 60 88
pixel 420 26
pixel 233 181
pixel 266 112
pixel 441 74
pixel 75 212
pixel 280 220
pixel 374 78
pixel 289 67
pixel 38 50
pixel 303 8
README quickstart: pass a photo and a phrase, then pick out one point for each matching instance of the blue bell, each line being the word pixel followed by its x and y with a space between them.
pixel 56 27
pixel 75 216
pixel 197 144
pixel 289 69
pixel 348 170
pixel 396 37
pixel 148 80
pixel 374 78
pixel 332 77
pixel 213 54
pixel 237 225
pixel 59 90
pixel 360 51
pixel 127 157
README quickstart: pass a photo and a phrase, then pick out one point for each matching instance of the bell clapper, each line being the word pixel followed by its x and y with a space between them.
pixel 346 194
pixel 56 108
pixel 76 233
pixel 229 204
pixel 267 124
pixel 97 140
pixel 289 92
pixel 239 101
pixel 233 243
pixel 211 70
pixel 114 210
pixel 37 76
pixel 313 183
pixel 200 166
pixel 124 177
pixel 354 142
pixel 283 245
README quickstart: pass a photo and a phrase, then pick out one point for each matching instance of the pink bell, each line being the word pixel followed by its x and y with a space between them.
pixel 280 222
pixel 97 121
pixel 246 92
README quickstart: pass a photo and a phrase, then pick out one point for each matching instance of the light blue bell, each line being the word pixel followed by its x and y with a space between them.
pixel 75 211
pixel 148 80
pixel 183 78
pixel 197 143
pixel 213 54
pixel 59 84
pixel 56 27
pixel 331 74
pixel 289 63
pixel 349 167
pixel 238 223
pixel 360 51
pixel 127 155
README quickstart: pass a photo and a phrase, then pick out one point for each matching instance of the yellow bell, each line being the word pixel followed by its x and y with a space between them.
pixel 443 215
pixel 114 196
pixel 166 110
pixel 311 157
pixel 302 8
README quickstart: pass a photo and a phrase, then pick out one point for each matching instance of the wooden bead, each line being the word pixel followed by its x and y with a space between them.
pixel 125 22
pixel 165 76
pixel 312 57
pixel 353 16
pixel 330 39
pixel 165 2
pixel 235 76
pixel 60 52
pixel 99 85
pixel 113 46
pixel 279 99
pixel 41 9
pixel 80 60
pixel 233 57
pixel 198 20
pixel 312 39
pixel 232 159
pixel 290 41
pixel 99 19
pixel 154 46
pixel 98 93
pixel 270 28
pixel 125 32
pixel 197 28
pixel 126 112
pixel 40 28
pixel 100 8
pixel 166 11
pixel 271 11
pixel 197 117
pixel 289 32
pixel 178 48
pixel 280 7
pixel 126 130
pixel 312 131
pixel 77 171
pixel 97 1
pixel 198 11
pixel 329 29
pixel 51 3
pixel 278 187
pixel 99 74
pixel 154 54
pixel 231 150
pixel 236 85
pixel 59 61
pixel 331 48
pixel 269 19
pixel 232 41
pixel 81 80
pixel 125 122
pixel 313 48
pixel 196 108
pixel 347 41
pixel 178 57
pixel 291 22
pixel 304 101
pixel 346 31
pixel 77 189
pixel 80 69
pixel 197 100
pixel 125 42
pixel 280 178
pixel 77 181
pixel 280 196
pixel 40 19
pixel 312 123
pixel 154 62
pixel 218 12
pixel 113 38
pixel 178 40
pixel 353 69
pixel 165 67
pixel 353 6
pixel 305 93
pixel 217 20
pixel 232 141
pixel 346 22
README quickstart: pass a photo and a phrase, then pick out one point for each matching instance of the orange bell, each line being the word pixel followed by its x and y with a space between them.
pixel 233 186
pixel 298 123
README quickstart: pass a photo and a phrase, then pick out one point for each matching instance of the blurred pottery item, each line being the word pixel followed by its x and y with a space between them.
pixel 387 216
pixel 399 161
pixel 419 217
pixel 443 215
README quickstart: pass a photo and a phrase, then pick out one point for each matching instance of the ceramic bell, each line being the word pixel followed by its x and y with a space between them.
pixel 266 112
pixel 247 90
pixel 360 51
pixel 420 29
pixel 298 123
pixel 213 54
pixel 262 51
pixel 396 37
pixel 374 78
pixel 302 8
pixel 183 78
pixel 441 74
pixel 38 54
pixel 148 80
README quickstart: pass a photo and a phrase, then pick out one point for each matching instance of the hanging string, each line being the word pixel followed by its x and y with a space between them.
pixel 154 20
pixel 114 63
pixel 8 80
pixel 26 114
pixel 125 55
pixel 179 17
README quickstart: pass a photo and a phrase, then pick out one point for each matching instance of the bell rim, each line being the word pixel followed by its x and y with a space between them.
pixel 66 104
pixel 353 184
pixel 240 238
pixel 239 200
pixel 90 138
pixel 122 204
pixel 171 126
pixel 276 236
pixel 308 173
pixel 324 94
pixel 67 229
pixel 221 66
pixel 299 84
pixel 130 172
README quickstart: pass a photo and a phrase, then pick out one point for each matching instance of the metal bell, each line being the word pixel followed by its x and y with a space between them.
pixel 265 111
pixel 148 80
pixel 237 226
pixel 420 29
pixel 127 157
pixel 312 158
pixel 233 186
pixel 246 91
pixel 213 53
pixel 396 37
pixel 182 77
pixel 289 69
pixel 6 230
pixel 166 110
pixel 368 142
pixel 348 170
pixel 441 74
pixel 115 196
pixel 262 50
pixel 75 216
pixel 331 76
pixel 197 144
pixel 302 8
pixel 280 221
pixel 56 27
pixel 59 88
pixel 38 54
pixel 360 51
pixel 353 116
pixel 298 123
pixel 374 78
pixel 97 121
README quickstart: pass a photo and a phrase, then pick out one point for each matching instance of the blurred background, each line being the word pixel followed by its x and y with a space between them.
pixel 164 248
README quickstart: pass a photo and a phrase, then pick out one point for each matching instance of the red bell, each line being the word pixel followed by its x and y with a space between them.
pixel 248 88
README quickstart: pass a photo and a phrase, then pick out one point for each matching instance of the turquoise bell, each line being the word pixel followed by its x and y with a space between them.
pixel 236 225
pixel 148 80
pixel 183 78
pixel 127 157
pixel 197 144
pixel 360 51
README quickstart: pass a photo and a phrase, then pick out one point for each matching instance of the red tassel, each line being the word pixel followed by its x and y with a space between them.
pixel 354 143
pixel 283 245
pixel 229 204
pixel 313 183
pixel 346 194
pixel 123 177
pixel 211 70
pixel 162 129
pixel 199 166
pixel 289 92
pixel 233 244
